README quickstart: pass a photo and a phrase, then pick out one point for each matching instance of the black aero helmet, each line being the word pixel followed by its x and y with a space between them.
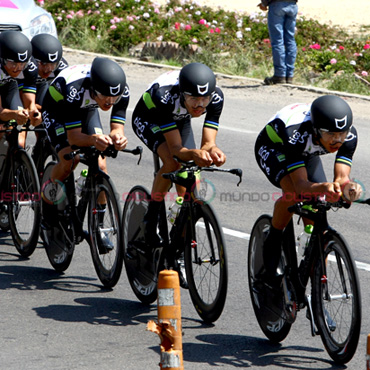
pixel 197 79
pixel 107 77
pixel 46 48
pixel 331 113
pixel 15 46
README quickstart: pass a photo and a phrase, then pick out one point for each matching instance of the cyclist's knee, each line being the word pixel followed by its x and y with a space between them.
pixel 170 164
pixel 103 164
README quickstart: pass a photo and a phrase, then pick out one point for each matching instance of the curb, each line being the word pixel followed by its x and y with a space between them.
pixel 157 65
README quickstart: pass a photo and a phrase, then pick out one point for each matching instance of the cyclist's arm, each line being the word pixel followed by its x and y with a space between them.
pixel 209 144
pixel 20 115
pixel 117 134
pixel 100 141
pixel 351 189
pixel 304 187
pixel 174 142
pixel 29 102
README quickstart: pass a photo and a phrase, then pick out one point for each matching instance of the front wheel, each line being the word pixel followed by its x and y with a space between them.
pixel 24 210
pixel 268 305
pixel 105 233
pixel 337 300
pixel 206 263
pixel 137 255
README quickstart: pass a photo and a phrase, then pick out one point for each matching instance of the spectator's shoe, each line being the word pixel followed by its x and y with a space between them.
pixel 289 80
pixel 274 80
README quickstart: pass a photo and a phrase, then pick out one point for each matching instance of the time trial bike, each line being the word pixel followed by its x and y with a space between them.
pixel 194 245
pixel 334 299
pixel 63 225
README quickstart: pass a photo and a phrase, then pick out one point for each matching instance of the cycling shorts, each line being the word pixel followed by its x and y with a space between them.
pixel 147 130
pixel 271 160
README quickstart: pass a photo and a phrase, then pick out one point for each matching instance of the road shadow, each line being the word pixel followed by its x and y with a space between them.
pixel 100 311
pixel 38 278
pixel 238 351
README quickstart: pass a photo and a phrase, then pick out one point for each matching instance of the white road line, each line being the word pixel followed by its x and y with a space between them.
pixel 245 236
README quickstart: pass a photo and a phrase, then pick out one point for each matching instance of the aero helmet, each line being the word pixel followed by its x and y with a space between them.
pixel 107 77
pixel 331 113
pixel 197 79
pixel 15 46
pixel 46 48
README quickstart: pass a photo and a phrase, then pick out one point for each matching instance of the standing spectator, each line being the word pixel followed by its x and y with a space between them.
pixel 281 18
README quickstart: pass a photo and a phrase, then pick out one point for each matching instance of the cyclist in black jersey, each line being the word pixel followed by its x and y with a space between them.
pixel 70 110
pixel 47 60
pixel 47 52
pixel 162 120
pixel 15 54
pixel 287 150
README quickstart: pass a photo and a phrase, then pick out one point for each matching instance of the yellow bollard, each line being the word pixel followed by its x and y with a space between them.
pixel 169 326
pixel 368 353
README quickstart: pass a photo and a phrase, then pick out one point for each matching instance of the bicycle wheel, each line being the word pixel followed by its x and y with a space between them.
pixel 138 259
pixel 104 216
pixel 206 264
pixel 57 231
pixel 24 209
pixel 337 301
pixel 268 305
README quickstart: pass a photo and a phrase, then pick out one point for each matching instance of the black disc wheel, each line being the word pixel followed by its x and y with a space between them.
pixel 57 232
pixel 139 259
pixel 268 305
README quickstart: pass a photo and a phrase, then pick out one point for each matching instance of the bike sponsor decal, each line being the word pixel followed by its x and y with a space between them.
pixel 53 193
pixel 203 189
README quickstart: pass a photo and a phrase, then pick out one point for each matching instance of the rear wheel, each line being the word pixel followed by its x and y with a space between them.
pixel 24 209
pixel 137 256
pixel 268 305
pixel 57 231
pixel 206 264
pixel 337 300
pixel 105 233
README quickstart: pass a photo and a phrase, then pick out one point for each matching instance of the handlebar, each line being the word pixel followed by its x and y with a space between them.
pixel 109 152
pixel 364 201
pixel 12 126
pixel 305 208
pixel 190 168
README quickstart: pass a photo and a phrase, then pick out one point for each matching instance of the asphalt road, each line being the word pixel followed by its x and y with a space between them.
pixel 50 320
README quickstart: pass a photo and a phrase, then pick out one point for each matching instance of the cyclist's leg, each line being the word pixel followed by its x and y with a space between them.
pixel 188 141
pixel 271 161
pixel 150 134
pixel 53 122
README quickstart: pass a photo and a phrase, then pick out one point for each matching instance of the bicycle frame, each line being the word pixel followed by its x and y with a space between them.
pixel 186 215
